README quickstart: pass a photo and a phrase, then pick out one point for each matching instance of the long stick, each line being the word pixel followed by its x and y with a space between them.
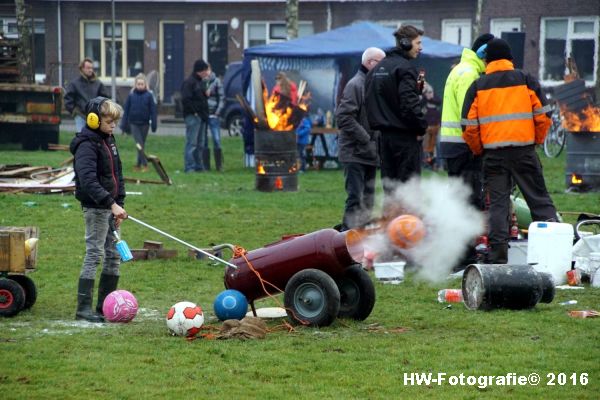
pixel 211 256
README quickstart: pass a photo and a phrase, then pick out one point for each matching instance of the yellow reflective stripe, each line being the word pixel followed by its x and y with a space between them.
pixel 505 117
pixel 451 124
pixel 452 139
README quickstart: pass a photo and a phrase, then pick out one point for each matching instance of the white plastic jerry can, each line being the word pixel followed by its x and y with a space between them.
pixel 550 248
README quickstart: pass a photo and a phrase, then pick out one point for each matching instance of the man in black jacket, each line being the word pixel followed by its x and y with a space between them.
pixel 357 143
pixel 195 115
pixel 392 91
pixel 81 90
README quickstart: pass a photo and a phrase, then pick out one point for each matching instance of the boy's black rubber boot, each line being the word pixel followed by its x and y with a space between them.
pixel 84 302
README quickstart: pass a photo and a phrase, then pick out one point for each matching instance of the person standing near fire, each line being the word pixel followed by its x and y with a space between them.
pixel 286 89
pixel 504 116
pixel 195 116
pixel 392 99
pixel 216 101
pixel 357 143
pixel 460 161
pixel 81 90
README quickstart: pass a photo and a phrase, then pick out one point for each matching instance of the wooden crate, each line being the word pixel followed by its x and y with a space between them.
pixel 12 249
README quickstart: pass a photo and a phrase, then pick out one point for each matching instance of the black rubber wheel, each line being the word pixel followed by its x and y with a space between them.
pixel 357 294
pixel 12 298
pixel 312 297
pixel 235 125
pixel 29 288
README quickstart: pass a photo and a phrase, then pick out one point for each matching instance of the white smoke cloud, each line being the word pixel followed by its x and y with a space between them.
pixel 451 222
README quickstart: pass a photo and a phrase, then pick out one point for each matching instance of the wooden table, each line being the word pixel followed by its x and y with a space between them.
pixel 328 145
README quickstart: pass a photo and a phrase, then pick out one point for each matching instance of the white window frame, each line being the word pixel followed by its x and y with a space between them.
pixel 122 80
pixel 456 22
pixel 570 36
pixel 495 25
pixel 268 24
pixel 395 24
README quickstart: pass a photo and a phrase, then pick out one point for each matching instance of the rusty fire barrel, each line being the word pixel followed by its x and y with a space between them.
pixel 276 155
pixel 516 287
pixel 327 250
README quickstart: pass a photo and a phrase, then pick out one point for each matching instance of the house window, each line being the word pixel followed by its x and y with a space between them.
pixel 561 38
pixel 259 33
pixel 8 26
pixel 129 47
pixel 457 31
pixel 499 25
pixel 417 23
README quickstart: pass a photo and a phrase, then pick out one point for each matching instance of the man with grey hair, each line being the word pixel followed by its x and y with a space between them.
pixel 358 150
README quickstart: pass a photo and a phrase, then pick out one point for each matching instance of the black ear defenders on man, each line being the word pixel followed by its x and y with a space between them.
pixel 405 44
pixel 93 112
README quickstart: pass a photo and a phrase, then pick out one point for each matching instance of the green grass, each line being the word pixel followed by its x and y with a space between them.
pixel 44 354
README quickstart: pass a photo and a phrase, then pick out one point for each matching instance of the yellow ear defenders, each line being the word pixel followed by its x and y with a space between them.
pixel 93 112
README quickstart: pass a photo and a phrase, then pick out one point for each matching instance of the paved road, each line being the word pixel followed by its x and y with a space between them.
pixel 166 127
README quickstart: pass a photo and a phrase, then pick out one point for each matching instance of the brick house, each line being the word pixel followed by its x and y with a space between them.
pixel 167 36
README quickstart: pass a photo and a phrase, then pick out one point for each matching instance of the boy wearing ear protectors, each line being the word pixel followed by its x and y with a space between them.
pixel 100 188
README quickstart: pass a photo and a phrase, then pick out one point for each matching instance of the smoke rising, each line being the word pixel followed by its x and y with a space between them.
pixel 451 222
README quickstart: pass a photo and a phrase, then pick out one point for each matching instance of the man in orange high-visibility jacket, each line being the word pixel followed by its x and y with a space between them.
pixel 504 116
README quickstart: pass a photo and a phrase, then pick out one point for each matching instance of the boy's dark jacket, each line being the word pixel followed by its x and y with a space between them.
pixel 98 172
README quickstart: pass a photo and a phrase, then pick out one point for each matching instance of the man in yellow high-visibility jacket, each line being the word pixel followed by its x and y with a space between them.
pixel 460 161
pixel 504 116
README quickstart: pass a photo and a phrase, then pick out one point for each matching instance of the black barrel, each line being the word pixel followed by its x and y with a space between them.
pixel 276 161
pixel 516 287
pixel 582 171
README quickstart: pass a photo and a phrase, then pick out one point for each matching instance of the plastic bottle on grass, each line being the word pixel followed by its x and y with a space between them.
pixel 450 296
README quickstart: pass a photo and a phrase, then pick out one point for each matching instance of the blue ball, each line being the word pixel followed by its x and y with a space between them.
pixel 230 304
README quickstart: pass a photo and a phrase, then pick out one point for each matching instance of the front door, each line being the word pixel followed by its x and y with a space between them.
pixel 172 60
pixel 215 46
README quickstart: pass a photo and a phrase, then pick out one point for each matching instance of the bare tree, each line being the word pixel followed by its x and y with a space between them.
pixel 291 18
pixel 24 52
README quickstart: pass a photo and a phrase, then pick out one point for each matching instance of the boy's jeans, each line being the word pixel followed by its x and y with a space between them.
pixel 99 244
pixel 194 143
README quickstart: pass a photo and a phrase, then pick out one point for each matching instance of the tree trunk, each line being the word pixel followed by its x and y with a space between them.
pixel 291 18
pixel 24 53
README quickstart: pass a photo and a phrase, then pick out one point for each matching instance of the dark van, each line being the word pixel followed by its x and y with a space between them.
pixel 232 115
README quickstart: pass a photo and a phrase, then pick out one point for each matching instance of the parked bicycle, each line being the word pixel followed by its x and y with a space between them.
pixel 557 135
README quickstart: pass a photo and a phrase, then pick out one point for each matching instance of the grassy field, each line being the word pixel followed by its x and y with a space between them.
pixel 45 354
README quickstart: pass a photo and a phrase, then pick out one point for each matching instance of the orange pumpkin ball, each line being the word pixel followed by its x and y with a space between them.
pixel 406 231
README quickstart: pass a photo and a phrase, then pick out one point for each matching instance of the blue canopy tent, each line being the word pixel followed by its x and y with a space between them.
pixel 329 59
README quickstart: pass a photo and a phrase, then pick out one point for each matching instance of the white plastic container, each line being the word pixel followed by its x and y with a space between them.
pixel 392 272
pixel 550 247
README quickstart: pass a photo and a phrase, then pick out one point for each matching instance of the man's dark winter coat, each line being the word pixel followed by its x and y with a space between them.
pixel 80 91
pixel 193 97
pixel 357 143
pixel 98 172
pixel 392 97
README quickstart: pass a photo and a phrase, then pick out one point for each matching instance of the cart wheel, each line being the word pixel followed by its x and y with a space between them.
pixel 29 288
pixel 357 294
pixel 311 296
pixel 12 297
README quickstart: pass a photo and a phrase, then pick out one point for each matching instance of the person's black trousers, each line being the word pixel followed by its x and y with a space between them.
pixel 502 167
pixel 400 160
pixel 469 168
pixel 360 187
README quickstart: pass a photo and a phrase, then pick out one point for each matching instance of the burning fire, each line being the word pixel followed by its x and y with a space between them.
pixel 576 180
pixel 586 120
pixel 281 114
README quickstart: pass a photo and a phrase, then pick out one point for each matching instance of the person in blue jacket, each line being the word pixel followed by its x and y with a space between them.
pixel 139 114
pixel 302 138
